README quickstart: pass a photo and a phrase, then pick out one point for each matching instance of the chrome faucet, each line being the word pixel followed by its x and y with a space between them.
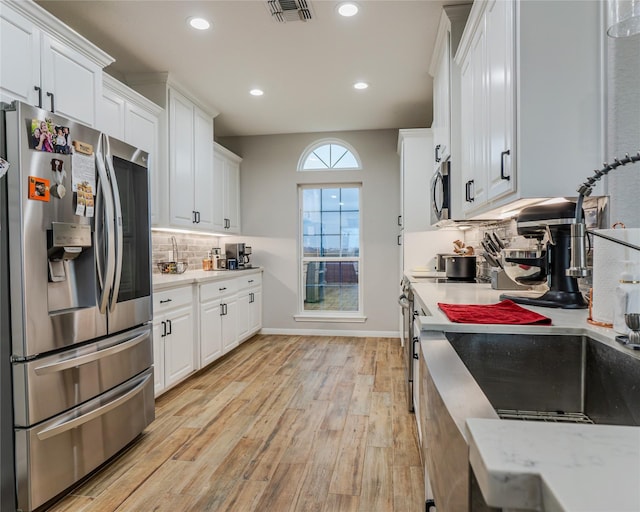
pixel 579 230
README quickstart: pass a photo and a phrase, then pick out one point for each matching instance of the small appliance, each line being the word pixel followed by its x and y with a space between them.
pixel 239 253
pixel 550 262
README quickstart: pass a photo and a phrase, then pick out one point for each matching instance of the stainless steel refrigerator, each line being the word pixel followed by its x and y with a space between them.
pixel 76 280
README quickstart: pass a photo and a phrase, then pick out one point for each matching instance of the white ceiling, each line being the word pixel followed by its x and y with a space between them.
pixel 306 69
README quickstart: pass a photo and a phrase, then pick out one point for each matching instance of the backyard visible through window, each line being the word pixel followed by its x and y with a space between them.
pixel 330 249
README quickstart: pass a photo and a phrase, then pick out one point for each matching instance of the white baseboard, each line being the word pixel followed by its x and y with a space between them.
pixel 330 332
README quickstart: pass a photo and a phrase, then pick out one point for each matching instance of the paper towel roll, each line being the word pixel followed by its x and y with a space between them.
pixel 608 264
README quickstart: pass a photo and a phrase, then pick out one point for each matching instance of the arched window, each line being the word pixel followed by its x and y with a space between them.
pixel 329 154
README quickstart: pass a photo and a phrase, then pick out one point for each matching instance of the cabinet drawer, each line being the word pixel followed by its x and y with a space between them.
pixel 250 281
pixel 217 289
pixel 169 299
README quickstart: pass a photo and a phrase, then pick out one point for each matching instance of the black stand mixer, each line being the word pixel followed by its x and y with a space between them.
pixel 555 221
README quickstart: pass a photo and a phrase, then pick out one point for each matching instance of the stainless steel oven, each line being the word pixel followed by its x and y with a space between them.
pixel 441 193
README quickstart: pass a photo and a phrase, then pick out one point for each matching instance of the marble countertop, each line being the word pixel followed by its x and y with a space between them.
pixel 535 465
pixel 165 281
pixel 564 321
pixel 554 467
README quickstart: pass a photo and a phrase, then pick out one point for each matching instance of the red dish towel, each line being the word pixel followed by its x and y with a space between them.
pixel 505 312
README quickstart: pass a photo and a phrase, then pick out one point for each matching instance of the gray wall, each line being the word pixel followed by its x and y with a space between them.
pixel 623 105
pixel 270 223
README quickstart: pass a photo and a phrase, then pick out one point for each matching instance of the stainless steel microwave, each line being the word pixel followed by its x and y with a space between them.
pixel 441 193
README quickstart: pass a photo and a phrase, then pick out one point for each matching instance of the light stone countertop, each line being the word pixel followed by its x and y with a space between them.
pixel 556 467
pixel 166 281
pixel 535 465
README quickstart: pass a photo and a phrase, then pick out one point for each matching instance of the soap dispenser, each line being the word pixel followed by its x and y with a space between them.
pixel 627 296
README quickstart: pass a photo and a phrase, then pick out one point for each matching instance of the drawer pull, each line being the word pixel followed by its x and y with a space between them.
pixel 165 301
pixel 222 289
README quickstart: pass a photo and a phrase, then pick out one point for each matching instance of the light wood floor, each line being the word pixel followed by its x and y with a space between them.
pixel 283 423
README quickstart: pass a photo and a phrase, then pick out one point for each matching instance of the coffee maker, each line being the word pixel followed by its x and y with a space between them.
pixel 552 222
pixel 240 253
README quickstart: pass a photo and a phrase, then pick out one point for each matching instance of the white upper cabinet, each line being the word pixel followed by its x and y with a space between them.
pixel 531 101
pixel 186 169
pixel 446 98
pixel 132 118
pixel 226 190
pixel 46 64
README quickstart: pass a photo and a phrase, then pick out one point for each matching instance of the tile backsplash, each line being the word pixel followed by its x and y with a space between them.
pixel 192 248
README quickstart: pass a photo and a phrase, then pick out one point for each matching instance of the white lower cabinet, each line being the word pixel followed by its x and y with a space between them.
pixel 249 306
pixel 187 338
pixel 173 336
pixel 218 319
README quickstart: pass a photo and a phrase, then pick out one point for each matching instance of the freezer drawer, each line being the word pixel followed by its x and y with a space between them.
pixel 54 455
pixel 48 386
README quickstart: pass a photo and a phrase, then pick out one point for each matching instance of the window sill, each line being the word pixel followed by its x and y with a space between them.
pixel 330 318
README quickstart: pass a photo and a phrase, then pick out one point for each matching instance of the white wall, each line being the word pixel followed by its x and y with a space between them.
pixel 269 198
pixel 623 128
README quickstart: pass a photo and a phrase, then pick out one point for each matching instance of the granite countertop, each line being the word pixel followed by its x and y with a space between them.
pixel 535 465
pixel 165 281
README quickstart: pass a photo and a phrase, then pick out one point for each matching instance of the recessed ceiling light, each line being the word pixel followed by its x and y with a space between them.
pixel 256 92
pixel 348 9
pixel 360 85
pixel 199 23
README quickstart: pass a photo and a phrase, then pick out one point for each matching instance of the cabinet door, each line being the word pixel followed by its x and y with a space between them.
pixel 158 357
pixel 19 57
pixel 230 324
pixel 74 82
pixel 181 165
pixel 178 345
pixel 244 312
pixel 232 196
pixel 141 129
pixel 500 67
pixel 111 114
pixel 473 128
pixel 441 105
pixel 210 332
pixel 255 310
pixel 203 170
pixel 218 192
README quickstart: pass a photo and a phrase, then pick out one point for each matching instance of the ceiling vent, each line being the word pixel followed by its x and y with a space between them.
pixel 289 10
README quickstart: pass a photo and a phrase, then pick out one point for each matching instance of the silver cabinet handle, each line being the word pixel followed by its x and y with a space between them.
pixel 53 431
pixel 89 358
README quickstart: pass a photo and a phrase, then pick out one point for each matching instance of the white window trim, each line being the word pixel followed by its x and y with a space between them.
pixel 323 142
pixel 328 316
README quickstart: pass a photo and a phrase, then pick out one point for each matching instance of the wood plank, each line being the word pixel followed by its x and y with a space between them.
pixel 361 397
pixel 408 488
pixel 377 480
pixel 342 503
pixel 347 476
pixel 283 488
pixel 380 421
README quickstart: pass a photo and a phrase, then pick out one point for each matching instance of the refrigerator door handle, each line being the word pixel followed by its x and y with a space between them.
pixel 108 223
pixel 53 431
pixel 118 225
pixel 89 358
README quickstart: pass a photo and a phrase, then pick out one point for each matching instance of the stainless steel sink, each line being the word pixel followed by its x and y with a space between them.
pixel 553 378
pixel 509 376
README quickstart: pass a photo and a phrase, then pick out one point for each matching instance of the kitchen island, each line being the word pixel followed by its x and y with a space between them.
pixel 525 465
